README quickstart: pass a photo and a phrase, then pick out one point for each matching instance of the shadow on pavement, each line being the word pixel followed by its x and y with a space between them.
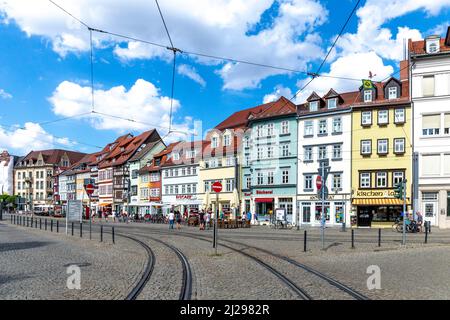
pixel 22 245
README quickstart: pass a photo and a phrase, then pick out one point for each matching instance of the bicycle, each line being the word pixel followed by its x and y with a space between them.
pixel 281 225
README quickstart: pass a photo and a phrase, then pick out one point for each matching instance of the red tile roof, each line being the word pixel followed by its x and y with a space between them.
pixel 162 157
pixel 418 47
pixel 239 119
pixel 53 156
pixel 280 107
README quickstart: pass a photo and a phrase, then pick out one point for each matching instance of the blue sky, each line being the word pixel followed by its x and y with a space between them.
pixel 45 66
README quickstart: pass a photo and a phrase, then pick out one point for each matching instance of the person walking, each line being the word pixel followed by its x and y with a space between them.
pixel 207 219
pixel 201 220
pixel 171 219
pixel 178 220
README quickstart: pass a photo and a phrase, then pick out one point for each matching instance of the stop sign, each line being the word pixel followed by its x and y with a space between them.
pixel 319 182
pixel 89 189
pixel 217 187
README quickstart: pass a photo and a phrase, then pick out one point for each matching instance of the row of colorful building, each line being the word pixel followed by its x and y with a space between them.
pixel 267 157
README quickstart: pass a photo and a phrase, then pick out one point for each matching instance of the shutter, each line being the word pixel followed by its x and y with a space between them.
pixel 431 164
pixel 431 121
pixel 446 163
pixel 447 120
pixel 428 86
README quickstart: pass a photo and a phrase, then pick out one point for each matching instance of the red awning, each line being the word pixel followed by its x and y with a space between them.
pixel 263 200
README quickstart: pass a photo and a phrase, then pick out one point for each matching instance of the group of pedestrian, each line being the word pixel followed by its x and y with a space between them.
pixel 104 215
pixel 204 219
pixel 175 216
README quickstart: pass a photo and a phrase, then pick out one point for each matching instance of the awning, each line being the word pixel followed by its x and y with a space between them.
pixel 265 200
pixel 104 204
pixel 379 201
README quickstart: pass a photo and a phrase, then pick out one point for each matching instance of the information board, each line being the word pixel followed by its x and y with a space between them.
pixel 75 210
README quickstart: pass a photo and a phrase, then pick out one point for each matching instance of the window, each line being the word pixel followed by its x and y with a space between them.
pixel 309 128
pixel 284 127
pixel 308 154
pixel 381 179
pixel 446 164
pixel 134 174
pixel 382 146
pixel 337 181
pixel 285 176
pixel 248 182
pixel 259 131
pixel 214 142
pixel 332 103
pixel 399 115
pixel 367 95
pixel 18 175
pixel 337 151
pixel 397 177
pixel 447 123
pixel 306 212
pixel 229 185
pixel 313 105
pixel 322 127
pixel 392 93
pixel 259 153
pixel 270 129
pixel 145 178
pixel 364 180
pixel 337 125
pixel 308 185
pixel 431 164
pixel 207 186
pixel 226 140
pixel 247 142
pixel 285 150
pixel 176 156
pixel 428 86
pixel 191 154
pixel 399 145
pixel 270 179
pixel 366 118
pixel 260 178
pixel 230 161
pixel 322 152
pixel 134 190
pixel 383 117
pixel 431 124
pixel 366 147
pixel 270 152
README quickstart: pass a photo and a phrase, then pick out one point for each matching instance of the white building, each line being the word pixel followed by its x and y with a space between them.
pixel 180 179
pixel 7 172
pixel 324 132
pixel 430 85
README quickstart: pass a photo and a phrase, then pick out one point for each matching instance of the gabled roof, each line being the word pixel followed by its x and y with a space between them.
pixel 331 94
pixel 281 107
pixel 53 156
pixel 239 119
pixel 145 150
pixel 161 156
pixel 313 97
pixel 345 101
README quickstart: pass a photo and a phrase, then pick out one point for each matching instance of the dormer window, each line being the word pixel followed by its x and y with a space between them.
pixel 214 142
pixel 226 140
pixel 392 93
pixel 313 105
pixel 432 44
pixel 332 103
pixel 176 156
pixel 368 96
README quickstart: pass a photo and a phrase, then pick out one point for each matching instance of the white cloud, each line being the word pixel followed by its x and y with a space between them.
pixel 279 91
pixel 142 102
pixel 371 35
pixel 191 73
pixel 355 65
pixel 31 136
pixel 216 27
pixel 4 94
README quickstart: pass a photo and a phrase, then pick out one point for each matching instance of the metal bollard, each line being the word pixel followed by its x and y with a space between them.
pixel 14 219
pixel 90 229
pixel 304 241
pixel 35 223
pixel 28 221
pixel 45 224
pixel 11 218
pixel 353 238
pixel 81 230
pixel 426 234
pixel 379 237
pixel 57 226
pixel 40 223
pixel 72 228
pixel 113 236
pixel 51 225
pixel 101 233
pixel 31 222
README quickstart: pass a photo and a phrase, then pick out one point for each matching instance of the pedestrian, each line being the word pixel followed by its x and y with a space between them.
pixel 178 220
pixel 171 219
pixel 201 221
pixel 221 215
pixel 207 219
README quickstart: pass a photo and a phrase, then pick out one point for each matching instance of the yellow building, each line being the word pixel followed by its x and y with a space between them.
pixel 381 152
pixel 220 163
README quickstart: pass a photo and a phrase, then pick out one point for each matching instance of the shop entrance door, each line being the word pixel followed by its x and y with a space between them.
pixel 364 216
pixel 429 210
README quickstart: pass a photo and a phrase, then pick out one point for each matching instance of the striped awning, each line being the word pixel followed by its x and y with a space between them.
pixel 379 201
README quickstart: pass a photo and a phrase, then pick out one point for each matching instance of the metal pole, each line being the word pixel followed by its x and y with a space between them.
pixel 304 241
pixel 45 224
pixel 113 237
pixel 81 230
pixel 322 231
pixel 57 226
pixel 215 224
pixel 426 233
pixel 72 228
pixel 379 237
pixel 101 233
pixel 51 225
pixel 353 238
pixel 90 219
pixel 40 223
pixel 404 212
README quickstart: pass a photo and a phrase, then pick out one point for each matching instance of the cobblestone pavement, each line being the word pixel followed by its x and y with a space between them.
pixel 419 271
pixel 34 265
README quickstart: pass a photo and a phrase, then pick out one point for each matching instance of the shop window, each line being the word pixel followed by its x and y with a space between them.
pixel 339 212
pixel 318 212
pixel 306 212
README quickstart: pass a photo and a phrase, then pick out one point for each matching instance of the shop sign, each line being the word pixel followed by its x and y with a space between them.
pixel 184 197
pixel 264 191
pixel 316 198
pixel 247 194
pixel 375 193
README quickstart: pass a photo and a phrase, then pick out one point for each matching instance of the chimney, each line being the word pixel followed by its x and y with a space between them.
pixel 404 70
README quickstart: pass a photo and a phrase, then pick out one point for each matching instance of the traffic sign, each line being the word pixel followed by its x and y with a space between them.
pixel 89 189
pixel 319 182
pixel 217 187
